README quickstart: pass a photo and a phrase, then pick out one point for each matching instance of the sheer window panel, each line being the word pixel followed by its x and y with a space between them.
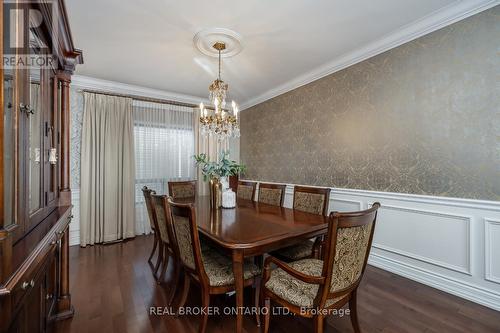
pixel 164 149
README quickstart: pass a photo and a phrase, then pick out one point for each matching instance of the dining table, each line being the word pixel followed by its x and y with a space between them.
pixel 252 229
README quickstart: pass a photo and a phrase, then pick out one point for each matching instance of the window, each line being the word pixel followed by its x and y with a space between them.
pixel 164 149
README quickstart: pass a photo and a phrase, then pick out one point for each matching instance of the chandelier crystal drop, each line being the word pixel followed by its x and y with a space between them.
pixel 219 121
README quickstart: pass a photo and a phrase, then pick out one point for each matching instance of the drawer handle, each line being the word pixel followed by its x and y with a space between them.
pixel 27 284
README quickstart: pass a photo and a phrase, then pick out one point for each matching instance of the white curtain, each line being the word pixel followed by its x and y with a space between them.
pixel 164 148
pixel 107 169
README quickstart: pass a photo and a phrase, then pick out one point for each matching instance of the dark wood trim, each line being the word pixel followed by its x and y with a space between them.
pixel 65 193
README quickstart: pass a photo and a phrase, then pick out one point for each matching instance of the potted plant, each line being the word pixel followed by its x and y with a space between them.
pixel 217 172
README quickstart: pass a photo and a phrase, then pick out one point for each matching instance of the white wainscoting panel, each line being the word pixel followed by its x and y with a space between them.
pixel 450 244
pixel 492 249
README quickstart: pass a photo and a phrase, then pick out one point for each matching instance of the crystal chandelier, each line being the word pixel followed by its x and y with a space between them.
pixel 219 121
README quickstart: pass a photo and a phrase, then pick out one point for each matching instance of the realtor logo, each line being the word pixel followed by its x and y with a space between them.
pixel 25 44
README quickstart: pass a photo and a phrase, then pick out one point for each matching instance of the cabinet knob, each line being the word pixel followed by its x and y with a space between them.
pixel 49 296
pixel 26 108
pixel 25 285
pixel 32 283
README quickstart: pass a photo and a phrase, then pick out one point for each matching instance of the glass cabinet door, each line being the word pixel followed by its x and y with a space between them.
pixel 9 149
pixel 34 100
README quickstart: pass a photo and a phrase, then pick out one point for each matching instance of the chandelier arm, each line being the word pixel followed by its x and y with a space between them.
pixel 219 64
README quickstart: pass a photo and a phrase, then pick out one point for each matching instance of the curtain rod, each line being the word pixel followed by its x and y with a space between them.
pixel 140 98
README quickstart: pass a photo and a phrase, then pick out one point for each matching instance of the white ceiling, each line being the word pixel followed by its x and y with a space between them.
pixel 150 43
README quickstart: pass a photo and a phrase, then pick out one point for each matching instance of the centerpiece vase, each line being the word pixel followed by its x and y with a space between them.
pixel 215 193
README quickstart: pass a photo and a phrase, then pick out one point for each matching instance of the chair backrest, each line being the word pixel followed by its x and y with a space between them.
pixel 187 241
pixel 161 211
pixel 246 190
pixel 182 189
pixel 272 194
pixel 149 206
pixel 348 245
pixel 311 199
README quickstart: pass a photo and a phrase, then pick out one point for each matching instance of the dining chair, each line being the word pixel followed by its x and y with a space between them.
pixel 210 269
pixel 246 190
pixel 182 189
pixel 153 224
pixel 314 288
pixel 163 218
pixel 271 194
pixel 313 200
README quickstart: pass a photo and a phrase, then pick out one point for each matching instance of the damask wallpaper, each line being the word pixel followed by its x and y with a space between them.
pixel 422 118
pixel 76 106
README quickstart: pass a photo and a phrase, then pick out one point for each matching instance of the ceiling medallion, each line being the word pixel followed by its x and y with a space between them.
pixel 218 121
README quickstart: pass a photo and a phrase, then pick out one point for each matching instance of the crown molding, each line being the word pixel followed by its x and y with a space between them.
pixel 91 83
pixel 441 18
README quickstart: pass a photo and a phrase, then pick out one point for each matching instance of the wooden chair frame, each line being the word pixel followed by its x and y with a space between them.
pixel 281 187
pixel 172 184
pixel 336 221
pixel 247 183
pixel 147 192
pixel 168 248
pixel 198 274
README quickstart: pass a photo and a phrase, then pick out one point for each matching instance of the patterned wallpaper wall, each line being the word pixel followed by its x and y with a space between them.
pixel 76 106
pixel 422 118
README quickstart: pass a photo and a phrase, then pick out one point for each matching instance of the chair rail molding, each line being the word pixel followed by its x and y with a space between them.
pixel 441 18
pixel 451 244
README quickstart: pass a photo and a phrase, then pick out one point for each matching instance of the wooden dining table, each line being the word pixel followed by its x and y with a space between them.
pixel 252 229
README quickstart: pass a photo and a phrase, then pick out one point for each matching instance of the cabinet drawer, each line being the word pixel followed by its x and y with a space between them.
pixel 28 280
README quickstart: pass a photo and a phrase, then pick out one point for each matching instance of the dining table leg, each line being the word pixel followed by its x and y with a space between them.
pixel 238 284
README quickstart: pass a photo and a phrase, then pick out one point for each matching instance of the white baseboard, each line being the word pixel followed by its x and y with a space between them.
pixel 473 293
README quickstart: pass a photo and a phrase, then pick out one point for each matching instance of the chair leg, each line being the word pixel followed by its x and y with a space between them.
pixel 205 302
pixel 166 256
pixel 159 261
pixel 257 304
pixel 185 291
pixel 267 313
pixel 155 244
pixel 354 312
pixel 319 324
pixel 175 279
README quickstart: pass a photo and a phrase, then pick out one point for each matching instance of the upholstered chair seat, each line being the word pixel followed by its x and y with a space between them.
pixel 312 200
pixel 311 287
pixel 219 268
pixel 209 268
pixel 298 251
pixel 295 291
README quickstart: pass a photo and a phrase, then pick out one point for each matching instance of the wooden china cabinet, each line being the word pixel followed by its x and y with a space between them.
pixel 35 199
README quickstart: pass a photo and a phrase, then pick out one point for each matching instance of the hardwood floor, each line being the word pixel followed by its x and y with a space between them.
pixel 112 290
